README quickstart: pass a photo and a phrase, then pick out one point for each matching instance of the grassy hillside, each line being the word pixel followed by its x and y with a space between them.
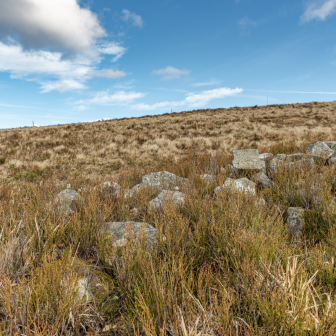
pixel 100 148
pixel 221 265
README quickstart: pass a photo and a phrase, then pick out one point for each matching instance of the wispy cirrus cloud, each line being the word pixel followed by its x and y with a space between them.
pixel 112 48
pixel 318 10
pixel 246 22
pixel 209 83
pixel 170 72
pixel 107 98
pixel 193 99
pixel 133 18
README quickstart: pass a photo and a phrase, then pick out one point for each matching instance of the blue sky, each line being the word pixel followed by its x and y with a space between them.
pixel 67 61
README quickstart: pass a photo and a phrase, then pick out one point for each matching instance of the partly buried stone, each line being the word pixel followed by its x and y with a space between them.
pixel 124 232
pixel 295 221
pixel 163 180
pixel 260 202
pixel 320 150
pixel 208 178
pixel 240 185
pixel 68 200
pixel 247 159
pixel 62 186
pixel 266 156
pixel 113 186
pixel 165 196
pixel 263 180
pixel 295 157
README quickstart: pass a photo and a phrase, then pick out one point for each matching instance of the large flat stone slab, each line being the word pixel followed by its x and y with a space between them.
pixel 247 159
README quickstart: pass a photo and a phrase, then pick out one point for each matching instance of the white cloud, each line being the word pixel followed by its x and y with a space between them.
pixel 50 24
pixel 209 83
pixel 171 73
pixel 192 99
pixel 200 99
pixel 112 48
pixel 319 10
pixel 62 86
pixel 107 98
pixel 80 108
pixel 109 73
pixel 245 22
pixel 132 17
pixel 125 85
pixel 69 73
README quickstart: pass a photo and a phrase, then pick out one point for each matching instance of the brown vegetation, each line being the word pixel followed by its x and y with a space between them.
pixel 101 148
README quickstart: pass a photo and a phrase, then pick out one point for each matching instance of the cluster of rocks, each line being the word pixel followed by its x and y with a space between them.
pixel 169 185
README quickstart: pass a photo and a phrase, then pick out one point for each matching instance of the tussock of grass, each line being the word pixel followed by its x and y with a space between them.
pixel 225 267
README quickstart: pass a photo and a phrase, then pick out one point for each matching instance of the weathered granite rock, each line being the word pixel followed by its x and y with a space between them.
pixel 320 150
pixel 63 186
pixel 295 220
pixel 331 145
pixel 266 156
pixel 208 178
pixel 124 232
pixel 304 164
pixel 295 157
pixel 263 180
pixel 113 186
pixel 240 185
pixel 281 156
pixel 163 179
pixel 166 195
pixel 68 200
pixel 247 159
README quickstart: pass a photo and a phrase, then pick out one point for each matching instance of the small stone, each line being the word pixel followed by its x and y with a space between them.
pixel 240 185
pixel 247 159
pixel 68 200
pixel 320 150
pixel 123 232
pixel 260 201
pixel 223 170
pixel 208 178
pixel 263 180
pixel 166 195
pixel 295 220
pixel 163 180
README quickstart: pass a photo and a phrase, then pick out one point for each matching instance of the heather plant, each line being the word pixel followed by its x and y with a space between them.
pixel 223 264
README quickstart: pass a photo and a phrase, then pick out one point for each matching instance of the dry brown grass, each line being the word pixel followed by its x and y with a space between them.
pixel 101 148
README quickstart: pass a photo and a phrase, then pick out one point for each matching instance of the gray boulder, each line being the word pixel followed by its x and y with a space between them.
pixel 295 157
pixel 295 221
pixel 247 159
pixel 166 196
pixel 163 180
pixel 260 202
pixel 263 180
pixel 243 185
pixel 124 232
pixel 281 156
pixel 68 199
pixel 320 150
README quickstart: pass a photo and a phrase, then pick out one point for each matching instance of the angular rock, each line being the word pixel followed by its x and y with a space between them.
pixel 331 145
pixel 266 156
pixel 124 232
pixel 263 180
pixel 295 220
pixel 208 178
pixel 304 164
pixel 247 159
pixel 320 150
pixel 163 180
pixel 166 195
pixel 240 185
pixel 116 190
pixel 68 199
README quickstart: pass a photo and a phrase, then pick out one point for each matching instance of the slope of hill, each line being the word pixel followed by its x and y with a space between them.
pixel 91 149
